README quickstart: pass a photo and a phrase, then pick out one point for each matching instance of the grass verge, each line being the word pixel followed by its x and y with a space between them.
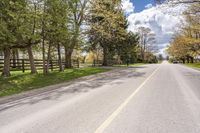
pixel 20 82
pixel 194 65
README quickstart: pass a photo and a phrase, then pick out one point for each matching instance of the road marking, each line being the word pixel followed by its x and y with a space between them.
pixel 108 121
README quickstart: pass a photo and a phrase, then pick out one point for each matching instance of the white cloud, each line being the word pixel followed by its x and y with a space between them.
pixel 149 6
pixel 127 6
pixel 163 20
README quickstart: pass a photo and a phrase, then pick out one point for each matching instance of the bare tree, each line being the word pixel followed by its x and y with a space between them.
pixel 147 41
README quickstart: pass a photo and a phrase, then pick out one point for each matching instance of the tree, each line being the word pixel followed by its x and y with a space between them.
pixel 19 28
pixel 57 30
pixel 54 30
pixel 147 41
pixel 107 26
pixel 186 44
pixel 128 48
pixel 77 12
pixel 28 31
pixel 178 49
pixel 160 57
pixel 9 28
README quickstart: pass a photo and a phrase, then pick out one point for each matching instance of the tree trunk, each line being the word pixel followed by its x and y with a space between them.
pixel 69 50
pixel 43 41
pixel 31 59
pixel 97 58
pixel 14 62
pixel 48 58
pixel 192 60
pixel 43 57
pixel 17 57
pixel 68 58
pixel 183 61
pixel 59 59
pixel 105 57
pixel 144 51
pixel 188 59
pixel 6 68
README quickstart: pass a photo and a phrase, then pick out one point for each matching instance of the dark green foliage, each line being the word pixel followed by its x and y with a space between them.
pixel 127 49
pixel 107 27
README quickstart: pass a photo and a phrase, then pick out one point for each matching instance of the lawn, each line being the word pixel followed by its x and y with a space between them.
pixel 195 65
pixel 20 82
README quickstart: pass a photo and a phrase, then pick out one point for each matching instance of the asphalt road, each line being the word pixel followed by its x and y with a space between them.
pixel 161 98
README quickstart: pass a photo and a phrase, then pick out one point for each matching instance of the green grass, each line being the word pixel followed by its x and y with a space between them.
pixel 134 65
pixel 160 61
pixel 20 82
pixel 194 65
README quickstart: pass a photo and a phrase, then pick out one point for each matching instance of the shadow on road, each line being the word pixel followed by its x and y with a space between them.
pixel 117 76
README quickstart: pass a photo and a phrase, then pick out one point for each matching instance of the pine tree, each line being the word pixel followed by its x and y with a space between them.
pixel 56 25
pixel 10 28
pixel 107 26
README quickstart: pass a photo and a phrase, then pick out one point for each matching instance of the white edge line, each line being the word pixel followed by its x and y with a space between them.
pixel 108 121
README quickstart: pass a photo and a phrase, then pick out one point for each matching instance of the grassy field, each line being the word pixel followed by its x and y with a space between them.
pixel 20 82
pixel 195 65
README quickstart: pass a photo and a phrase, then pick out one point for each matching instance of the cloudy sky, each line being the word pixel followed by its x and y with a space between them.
pixel 163 20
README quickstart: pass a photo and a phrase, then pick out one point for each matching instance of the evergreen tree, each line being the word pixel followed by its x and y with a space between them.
pixel 10 18
pixel 107 26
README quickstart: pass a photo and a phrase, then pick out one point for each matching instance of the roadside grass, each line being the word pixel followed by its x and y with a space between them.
pixel 194 65
pixel 132 65
pixel 20 82
pixel 160 61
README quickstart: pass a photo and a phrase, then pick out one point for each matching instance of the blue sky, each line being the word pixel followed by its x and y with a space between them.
pixel 164 21
pixel 140 4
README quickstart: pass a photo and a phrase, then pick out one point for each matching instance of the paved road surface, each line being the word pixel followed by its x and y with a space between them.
pixel 150 99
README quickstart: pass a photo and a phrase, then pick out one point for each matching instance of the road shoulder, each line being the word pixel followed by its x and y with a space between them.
pixel 51 88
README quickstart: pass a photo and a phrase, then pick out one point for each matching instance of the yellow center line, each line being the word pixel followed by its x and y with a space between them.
pixel 108 121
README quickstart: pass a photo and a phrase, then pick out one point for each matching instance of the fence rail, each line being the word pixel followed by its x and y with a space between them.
pixel 24 64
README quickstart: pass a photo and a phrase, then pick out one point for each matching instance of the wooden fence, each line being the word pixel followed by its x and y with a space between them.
pixel 24 64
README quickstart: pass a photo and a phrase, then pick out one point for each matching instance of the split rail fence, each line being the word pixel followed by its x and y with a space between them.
pixel 24 64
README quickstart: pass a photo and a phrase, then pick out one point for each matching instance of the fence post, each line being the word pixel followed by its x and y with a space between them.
pixel 78 63
pixel 23 67
pixel 94 63
pixel 51 62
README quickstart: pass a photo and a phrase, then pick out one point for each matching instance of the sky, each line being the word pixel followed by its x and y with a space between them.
pixel 140 4
pixel 163 20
